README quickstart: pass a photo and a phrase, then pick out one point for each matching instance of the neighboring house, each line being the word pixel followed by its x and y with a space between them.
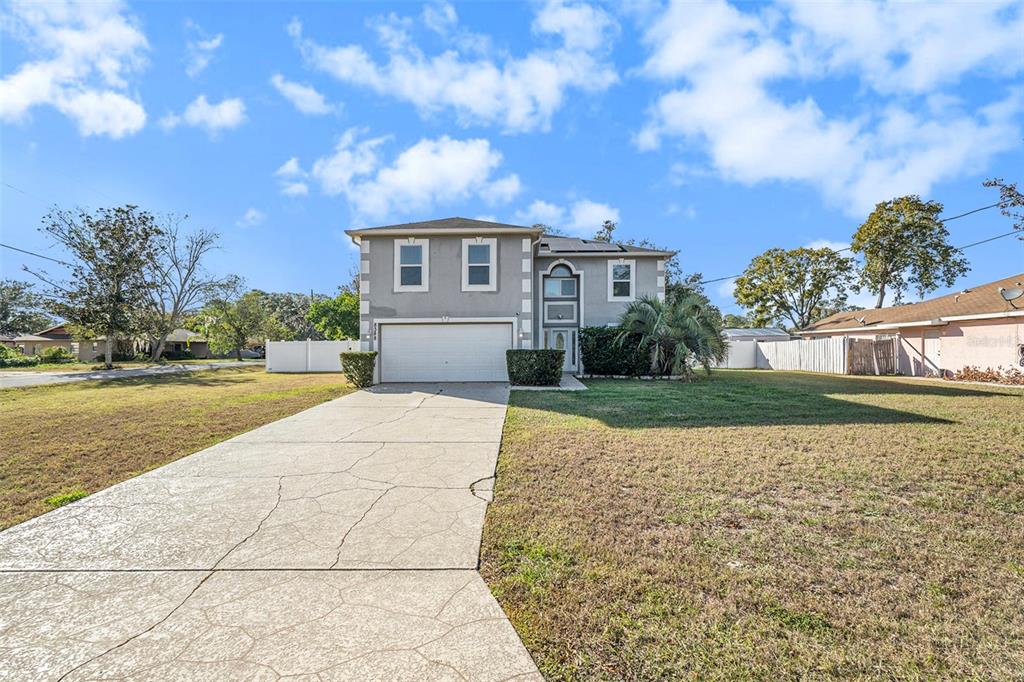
pixel 978 326
pixel 181 340
pixel 442 300
pixel 88 350
pixel 32 344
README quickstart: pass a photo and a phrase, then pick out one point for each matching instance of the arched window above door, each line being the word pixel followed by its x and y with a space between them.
pixel 560 271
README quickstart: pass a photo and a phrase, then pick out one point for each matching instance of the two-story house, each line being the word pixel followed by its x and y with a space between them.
pixel 442 300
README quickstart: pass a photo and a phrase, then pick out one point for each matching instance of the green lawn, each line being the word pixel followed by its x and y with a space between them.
pixel 61 441
pixel 763 525
pixel 98 364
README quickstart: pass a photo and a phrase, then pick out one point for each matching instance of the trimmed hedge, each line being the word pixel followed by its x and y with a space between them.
pixel 537 367
pixel 603 356
pixel 9 357
pixel 56 354
pixel 358 367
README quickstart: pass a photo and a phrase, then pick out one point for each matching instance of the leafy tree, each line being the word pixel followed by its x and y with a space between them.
pixel 21 309
pixel 678 334
pixel 1011 201
pixel 235 321
pixel 179 281
pixel 733 321
pixel 338 317
pixel 799 285
pixel 904 244
pixel 605 232
pixel 292 311
pixel 549 230
pixel 106 285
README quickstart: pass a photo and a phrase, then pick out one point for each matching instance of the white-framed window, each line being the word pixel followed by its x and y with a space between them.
pixel 559 288
pixel 479 264
pixel 412 264
pixel 621 280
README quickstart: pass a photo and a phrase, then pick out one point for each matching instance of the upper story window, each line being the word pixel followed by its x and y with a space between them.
pixel 412 264
pixel 560 283
pixel 479 264
pixel 621 280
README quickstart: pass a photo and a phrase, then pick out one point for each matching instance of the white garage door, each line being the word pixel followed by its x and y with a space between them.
pixel 444 352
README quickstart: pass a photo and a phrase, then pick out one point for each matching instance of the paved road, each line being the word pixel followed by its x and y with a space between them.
pixel 21 379
pixel 339 543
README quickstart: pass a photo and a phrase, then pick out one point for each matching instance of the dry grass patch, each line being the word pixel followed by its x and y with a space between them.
pixel 61 441
pixel 763 526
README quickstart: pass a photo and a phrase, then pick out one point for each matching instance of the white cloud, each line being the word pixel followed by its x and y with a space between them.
pixel 727 62
pixel 428 173
pixel 828 244
pixel 251 218
pixel 305 97
pixel 199 50
pixel 440 17
pixel 292 178
pixel 583 217
pixel 213 118
pixel 726 288
pixel 519 94
pixel 86 50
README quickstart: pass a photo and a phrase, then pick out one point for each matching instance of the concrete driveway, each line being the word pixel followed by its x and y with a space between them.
pixel 22 379
pixel 339 543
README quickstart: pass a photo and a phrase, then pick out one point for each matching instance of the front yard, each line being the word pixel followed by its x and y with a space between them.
pixel 60 441
pixel 763 525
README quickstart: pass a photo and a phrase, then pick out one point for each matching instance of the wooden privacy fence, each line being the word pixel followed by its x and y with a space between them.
pixel 870 356
pixel 827 355
pixel 307 356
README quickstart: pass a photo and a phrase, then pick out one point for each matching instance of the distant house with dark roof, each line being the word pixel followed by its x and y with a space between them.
pixel 981 326
pixel 442 300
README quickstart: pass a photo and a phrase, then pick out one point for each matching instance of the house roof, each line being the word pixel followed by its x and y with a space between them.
pixel 755 333
pixel 974 302
pixel 185 335
pixel 558 246
pixel 56 331
pixel 25 337
pixel 445 226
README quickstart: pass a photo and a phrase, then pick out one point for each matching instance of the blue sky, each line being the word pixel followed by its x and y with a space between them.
pixel 718 130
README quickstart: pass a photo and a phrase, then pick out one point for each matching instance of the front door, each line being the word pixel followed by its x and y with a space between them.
pixel 564 339
pixel 932 354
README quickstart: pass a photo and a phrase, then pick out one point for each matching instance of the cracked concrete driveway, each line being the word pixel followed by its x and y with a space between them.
pixel 339 543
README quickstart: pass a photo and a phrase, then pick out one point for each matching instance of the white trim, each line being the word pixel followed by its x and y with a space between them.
pixel 492 264
pixel 661 281
pixel 424 265
pixel 526 285
pixel 364 266
pixel 364 246
pixel 364 307
pixel 527 245
pixel 527 265
pixel 575 312
pixel 525 325
pixel 661 266
pixel 364 327
pixel 612 262
pixel 444 320
pixel 561 261
pixel 527 305
pixel 984 316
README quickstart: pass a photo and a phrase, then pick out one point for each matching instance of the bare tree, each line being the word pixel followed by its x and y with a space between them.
pixel 179 281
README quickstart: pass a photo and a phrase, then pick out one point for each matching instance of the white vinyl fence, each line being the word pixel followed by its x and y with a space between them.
pixel 307 356
pixel 827 355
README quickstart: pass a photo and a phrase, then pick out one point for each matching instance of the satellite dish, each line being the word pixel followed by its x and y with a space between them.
pixel 1011 294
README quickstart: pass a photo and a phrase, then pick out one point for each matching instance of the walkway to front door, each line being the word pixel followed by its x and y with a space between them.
pixel 339 543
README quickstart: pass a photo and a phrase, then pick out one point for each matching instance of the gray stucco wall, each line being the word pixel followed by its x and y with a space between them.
pixel 445 297
pixel 597 309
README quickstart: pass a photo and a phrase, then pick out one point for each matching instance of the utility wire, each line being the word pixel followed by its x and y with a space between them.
pixel 943 220
pixel 37 255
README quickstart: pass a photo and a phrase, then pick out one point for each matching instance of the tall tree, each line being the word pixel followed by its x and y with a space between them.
pixel 106 286
pixel 234 321
pixel 733 321
pixel 292 310
pixel 903 244
pixel 337 318
pixel 800 285
pixel 606 231
pixel 179 281
pixel 1011 202
pixel 21 308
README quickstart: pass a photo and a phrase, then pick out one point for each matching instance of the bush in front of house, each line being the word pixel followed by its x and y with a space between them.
pixel 57 354
pixel 179 355
pixel 358 367
pixel 604 356
pixel 534 367
pixel 9 357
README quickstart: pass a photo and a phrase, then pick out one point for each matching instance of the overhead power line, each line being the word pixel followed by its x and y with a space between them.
pixel 37 255
pixel 943 220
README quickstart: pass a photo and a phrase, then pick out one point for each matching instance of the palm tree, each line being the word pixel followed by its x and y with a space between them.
pixel 680 334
